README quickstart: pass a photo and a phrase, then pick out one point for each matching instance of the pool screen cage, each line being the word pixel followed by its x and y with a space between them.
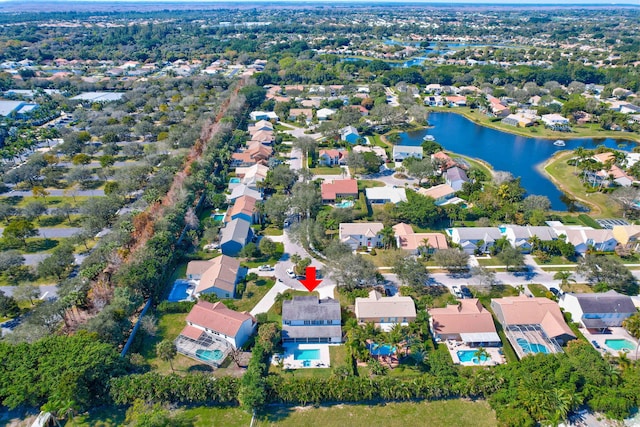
pixel 534 334
pixel 189 346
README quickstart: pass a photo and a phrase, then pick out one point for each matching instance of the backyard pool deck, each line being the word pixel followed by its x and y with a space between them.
pixel 612 334
pixel 289 361
pixel 495 357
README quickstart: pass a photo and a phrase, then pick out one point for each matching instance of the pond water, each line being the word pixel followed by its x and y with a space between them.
pixel 506 152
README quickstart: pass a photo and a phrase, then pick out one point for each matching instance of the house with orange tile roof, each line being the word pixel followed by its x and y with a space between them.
pixel 466 321
pixel 339 189
pixel 331 157
pixel 244 207
pixel 223 323
pixel 414 243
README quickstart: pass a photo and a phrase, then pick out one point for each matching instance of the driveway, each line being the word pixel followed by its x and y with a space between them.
pixel 295 159
pixel 297 132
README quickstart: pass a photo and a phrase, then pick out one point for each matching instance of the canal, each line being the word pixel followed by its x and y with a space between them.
pixel 504 151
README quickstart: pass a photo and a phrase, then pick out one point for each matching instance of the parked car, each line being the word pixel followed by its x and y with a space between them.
pixel 554 291
pixel 456 291
pixel 291 273
pixel 466 292
pixel 265 267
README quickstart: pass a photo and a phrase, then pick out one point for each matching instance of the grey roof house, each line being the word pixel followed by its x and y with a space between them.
pixel 598 310
pixel 235 235
pixel 311 320
pixel 455 177
pixel 471 239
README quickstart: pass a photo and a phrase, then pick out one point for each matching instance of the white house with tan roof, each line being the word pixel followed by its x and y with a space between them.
pixel 361 234
pixel 628 236
pixel 412 242
pixel 218 320
pixel 385 311
pixel 585 238
pixel 216 276
pixel 467 321
pixel 440 193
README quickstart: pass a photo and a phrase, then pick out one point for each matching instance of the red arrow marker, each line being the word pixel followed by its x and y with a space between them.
pixel 310 282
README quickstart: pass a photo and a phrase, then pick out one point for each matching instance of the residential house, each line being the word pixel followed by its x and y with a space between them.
pixel 457 101
pixel 443 160
pixel 440 193
pixel 385 312
pixel 219 322
pixel 215 276
pixel 466 321
pixel 252 175
pixel 339 189
pixel 532 324
pixel 361 234
pixel 387 194
pixel 414 243
pixel 434 101
pixel 260 125
pixel 253 154
pixel 266 137
pixel 262 115
pixel 519 120
pixel 311 320
pixel 307 113
pixel 350 134
pixel 234 236
pixel 472 239
pixel 598 310
pixel 244 208
pixel 629 109
pixel 455 177
pixel 586 238
pixel 628 236
pixel 324 114
pixel 555 122
pixel 331 157
pixel 244 190
pixel 401 152
pixel 521 237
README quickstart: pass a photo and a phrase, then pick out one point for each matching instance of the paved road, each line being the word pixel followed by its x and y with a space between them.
pixel 295 159
pixel 46 291
pixel 55 232
pixel 34 259
pixel 297 132
pixel 54 192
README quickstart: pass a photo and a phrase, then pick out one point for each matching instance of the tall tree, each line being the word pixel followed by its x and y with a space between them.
pixel 167 351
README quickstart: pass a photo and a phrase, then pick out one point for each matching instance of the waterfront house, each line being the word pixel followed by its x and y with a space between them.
pixel 215 276
pixel 339 189
pixel 532 324
pixel 402 152
pixel 440 193
pixel 219 322
pixel 455 177
pixel 235 235
pixel 472 239
pixel 308 319
pixel 415 243
pixel 586 238
pixel 467 321
pixel 350 134
pixel 598 311
pixel 361 234
pixel 331 157
pixel 385 312
pixel 555 122
pixel 520 237
pixel 387 194
pixel 628 236
pixel 457 101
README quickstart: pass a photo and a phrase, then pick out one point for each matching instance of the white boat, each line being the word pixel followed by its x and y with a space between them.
pixel 559 143
pixel 429 138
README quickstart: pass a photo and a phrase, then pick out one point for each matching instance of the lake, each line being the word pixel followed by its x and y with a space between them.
pixel 504 151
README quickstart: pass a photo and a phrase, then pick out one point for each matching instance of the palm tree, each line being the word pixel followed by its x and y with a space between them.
pixel 565 277
pixel 632 325
pixel 482 354
pixel 388 237
pixel 167 351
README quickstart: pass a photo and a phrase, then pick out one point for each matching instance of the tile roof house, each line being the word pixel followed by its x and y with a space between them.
pixel 524 315
pixel 264 137
pixel 331 157
pixel 414 243
pixel 585 238
pixel 440 193
pixel 361 234
pixel 387 194
pixel 471 239
pixel 234 236
pixel 308 319
pixel 252 175
pixel 402 152
pixel 245 208
pixel 455 177
pixel 628 236
pixel 443 160
pixel 218 276
pixel 339 189
pixel 598 310
pixel 219 322
pixel 260 125
pixel 467 321
pixel 294 113
pixel 385 311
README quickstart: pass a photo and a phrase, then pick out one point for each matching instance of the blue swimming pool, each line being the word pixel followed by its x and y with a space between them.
pixel 469 356
pixel 381 350
pixel 345 204
pixel 218 217
pixel 619 344
pixel 307 354
pixel 235 180
pixel 528 347
pixel 209 355
pixel 179 291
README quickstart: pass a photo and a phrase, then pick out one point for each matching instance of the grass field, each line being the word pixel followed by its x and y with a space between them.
pixel 538 290
pixel 434 414
pixel 324 170
pixel 563 177
pixel 255 291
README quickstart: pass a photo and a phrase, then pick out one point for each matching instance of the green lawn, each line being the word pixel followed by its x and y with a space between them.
pixel 324 170
pixel 579 288
pixel 51 201
pixel 490 261
pixel 555 260
pixel 434 414
pixel 272 231
pixel 255 291
pixel 539 290
pixel 369 183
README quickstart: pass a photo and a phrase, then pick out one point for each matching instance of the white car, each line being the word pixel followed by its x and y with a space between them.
pixel 265 267
pixel 456 291
pixel 291 273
